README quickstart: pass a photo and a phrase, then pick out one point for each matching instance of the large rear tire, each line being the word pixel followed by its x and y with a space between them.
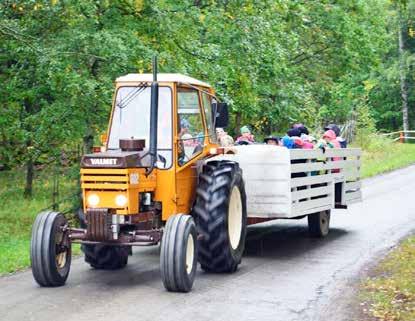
pixel 178 257
pixel 50 249
pixel 220 212
pixel 105 257
pixel 319 223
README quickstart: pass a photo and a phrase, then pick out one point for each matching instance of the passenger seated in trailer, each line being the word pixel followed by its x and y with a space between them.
pixel 272 140
pixel 336 129
pixel 329 141
pixel 224 139
pixel 246 137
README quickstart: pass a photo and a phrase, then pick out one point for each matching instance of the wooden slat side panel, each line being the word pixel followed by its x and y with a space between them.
pixel 343 152
pixel 311 205
pixel 311 192
pixel 329 165
pixel 353 185
pixel 305 153
pixel 342 164
pixel 317 179
pixel 307 167
pixel 353 196
pixel 329 152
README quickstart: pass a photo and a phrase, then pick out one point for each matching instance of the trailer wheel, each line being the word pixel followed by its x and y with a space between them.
pixel 50 249
pixel 220 211
pixel 106 257
pixel 319 223
pixel 178 257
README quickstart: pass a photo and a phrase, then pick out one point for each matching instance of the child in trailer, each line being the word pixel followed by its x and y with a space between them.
pixel 224 139
pixel 246 137
pixel 272 140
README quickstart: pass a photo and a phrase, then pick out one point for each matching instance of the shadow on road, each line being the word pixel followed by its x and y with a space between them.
pixel 285 240
pixel 276 241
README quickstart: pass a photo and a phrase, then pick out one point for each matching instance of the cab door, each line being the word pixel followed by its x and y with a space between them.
pixel 191 134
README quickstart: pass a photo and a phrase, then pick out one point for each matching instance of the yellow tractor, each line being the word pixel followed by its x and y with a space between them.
pixel 151 184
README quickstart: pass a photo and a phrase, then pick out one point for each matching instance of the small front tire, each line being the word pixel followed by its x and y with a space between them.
pixel 50 249
pixel 178 257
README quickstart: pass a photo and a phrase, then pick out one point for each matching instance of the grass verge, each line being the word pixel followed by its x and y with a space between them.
pixel 381 155
pixel 17 214
pixel 389 294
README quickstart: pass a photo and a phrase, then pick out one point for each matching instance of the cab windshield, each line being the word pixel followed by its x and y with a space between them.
pixel 131 119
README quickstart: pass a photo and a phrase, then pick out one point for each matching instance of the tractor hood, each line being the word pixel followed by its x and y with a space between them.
pixel 116 159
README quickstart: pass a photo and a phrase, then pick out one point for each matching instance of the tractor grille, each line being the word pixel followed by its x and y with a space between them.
pixel 99 224
pixel 99 179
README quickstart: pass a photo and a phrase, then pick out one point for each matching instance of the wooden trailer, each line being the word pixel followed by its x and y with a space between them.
pixel 293 183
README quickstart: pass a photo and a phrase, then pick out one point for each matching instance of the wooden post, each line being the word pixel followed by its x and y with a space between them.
pixel 401 137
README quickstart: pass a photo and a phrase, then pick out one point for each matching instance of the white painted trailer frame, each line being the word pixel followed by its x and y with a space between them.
pixel 288 183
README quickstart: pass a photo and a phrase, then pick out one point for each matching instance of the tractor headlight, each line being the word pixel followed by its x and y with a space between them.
pixel 121 200
pixel 93 200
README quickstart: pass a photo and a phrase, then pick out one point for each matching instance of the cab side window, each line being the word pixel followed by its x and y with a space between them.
pixel 207 106
pixel 190 125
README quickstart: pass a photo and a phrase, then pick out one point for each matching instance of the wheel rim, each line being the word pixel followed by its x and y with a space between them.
pixel 235 218
pixel 324 222
pixel 61 250
pixel 190 254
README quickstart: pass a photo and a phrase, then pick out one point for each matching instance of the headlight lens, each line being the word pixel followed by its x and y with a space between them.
pixel 121 200
pixel 93 200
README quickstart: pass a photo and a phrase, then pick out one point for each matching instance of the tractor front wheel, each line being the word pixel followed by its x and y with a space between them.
pixel 178 257
pixel 50 249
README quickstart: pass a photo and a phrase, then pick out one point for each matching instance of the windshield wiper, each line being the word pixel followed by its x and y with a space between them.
pixel 131 96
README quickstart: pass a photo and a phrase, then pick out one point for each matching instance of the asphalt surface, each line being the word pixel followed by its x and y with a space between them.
pixel 284 275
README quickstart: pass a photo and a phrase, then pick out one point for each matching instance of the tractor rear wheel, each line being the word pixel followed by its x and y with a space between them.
pixel 178 257
pixel 50 249
pixel 220 212
pixel 106 257
pixel 319 223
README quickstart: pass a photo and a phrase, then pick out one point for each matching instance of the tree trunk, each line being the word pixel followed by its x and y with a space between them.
pixel 402 75
pixel 30 173
pixel 88 140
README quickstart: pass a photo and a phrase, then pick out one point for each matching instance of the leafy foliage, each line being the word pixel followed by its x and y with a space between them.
pixel 275 61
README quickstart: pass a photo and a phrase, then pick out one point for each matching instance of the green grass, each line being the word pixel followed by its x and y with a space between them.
pixel 17 214
pixel 381 155
pixel 389 295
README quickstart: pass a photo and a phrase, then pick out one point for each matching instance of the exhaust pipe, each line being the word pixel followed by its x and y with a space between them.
pixel 153 118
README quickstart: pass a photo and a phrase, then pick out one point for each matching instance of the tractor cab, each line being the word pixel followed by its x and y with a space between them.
pixel 181 133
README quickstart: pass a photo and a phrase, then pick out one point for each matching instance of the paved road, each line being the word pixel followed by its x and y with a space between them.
pixel 285 275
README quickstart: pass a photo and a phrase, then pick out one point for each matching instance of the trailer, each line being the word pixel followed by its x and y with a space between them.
pixel 283 183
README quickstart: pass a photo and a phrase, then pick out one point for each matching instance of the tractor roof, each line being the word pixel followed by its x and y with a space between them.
pixel 179 78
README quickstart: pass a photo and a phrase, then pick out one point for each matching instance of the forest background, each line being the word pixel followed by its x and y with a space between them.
pixel 276 62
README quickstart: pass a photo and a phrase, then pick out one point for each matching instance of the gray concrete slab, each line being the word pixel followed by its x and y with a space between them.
pixel 285 274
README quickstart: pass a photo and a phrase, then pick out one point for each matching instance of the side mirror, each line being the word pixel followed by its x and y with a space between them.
pixel 221 115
